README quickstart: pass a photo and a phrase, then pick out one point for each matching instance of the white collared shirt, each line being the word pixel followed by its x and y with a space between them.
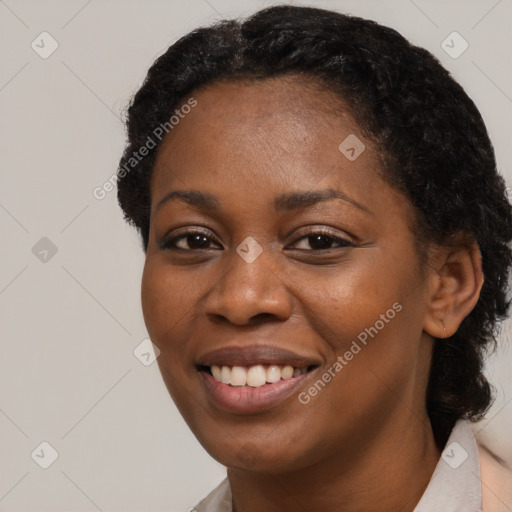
pixel 455 485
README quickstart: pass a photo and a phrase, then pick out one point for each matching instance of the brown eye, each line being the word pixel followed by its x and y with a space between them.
pixel 319 240
pixel 189 241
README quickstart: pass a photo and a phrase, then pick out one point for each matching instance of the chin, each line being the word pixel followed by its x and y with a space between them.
pixel 251 455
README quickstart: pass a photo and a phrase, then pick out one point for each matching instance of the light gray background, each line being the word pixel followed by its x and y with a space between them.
pixel 68 375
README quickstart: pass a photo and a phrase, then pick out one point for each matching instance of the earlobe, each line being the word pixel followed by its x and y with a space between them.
pixel 455 285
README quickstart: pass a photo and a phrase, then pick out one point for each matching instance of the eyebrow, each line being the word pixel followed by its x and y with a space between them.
pixel 300 200
pixel 192 197
pixel 285 202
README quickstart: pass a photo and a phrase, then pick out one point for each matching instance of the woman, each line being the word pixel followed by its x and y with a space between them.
pixel 326 261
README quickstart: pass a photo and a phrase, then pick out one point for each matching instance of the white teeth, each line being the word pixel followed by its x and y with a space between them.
pixel 238 376
pixel 225 376
pixel 254 376
pixel 217 373
pixel 273 373
pixel 287 372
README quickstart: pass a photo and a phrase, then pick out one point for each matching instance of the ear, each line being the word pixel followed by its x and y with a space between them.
pixel 456 279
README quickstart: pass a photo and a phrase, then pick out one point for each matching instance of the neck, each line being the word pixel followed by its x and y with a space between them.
pixel 384 472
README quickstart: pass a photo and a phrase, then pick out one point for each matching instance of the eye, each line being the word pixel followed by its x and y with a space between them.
pixel 321 239
pixel 190 240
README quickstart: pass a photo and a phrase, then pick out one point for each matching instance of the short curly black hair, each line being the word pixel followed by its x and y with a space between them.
pixel 432 140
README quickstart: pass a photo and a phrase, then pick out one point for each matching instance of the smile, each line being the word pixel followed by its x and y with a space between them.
pixel 256 375
pixel 245 379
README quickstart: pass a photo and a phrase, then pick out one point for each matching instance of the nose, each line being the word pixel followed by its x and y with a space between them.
pixel 248 293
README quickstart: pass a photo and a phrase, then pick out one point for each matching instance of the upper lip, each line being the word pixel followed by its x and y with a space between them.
pixel 249 355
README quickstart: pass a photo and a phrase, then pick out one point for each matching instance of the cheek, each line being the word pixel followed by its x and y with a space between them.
pixel 341 304
pixel 370 318
pixel 167 298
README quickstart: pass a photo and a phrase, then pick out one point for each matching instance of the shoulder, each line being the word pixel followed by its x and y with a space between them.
pixel 496 481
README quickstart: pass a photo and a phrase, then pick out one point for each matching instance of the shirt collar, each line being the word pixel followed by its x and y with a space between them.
pixel 455 485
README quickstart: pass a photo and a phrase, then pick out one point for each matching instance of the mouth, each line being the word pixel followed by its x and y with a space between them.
pixel 254 376
pixel 252 379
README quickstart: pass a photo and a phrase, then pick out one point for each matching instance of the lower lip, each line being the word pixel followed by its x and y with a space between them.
pixel 247 400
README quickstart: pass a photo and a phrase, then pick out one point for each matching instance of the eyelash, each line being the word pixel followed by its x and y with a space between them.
pixel 342 242
pixel 169 244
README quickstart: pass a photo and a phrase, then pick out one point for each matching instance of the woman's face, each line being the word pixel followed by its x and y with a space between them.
pixel 278 249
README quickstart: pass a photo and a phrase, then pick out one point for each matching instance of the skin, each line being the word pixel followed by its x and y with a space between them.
pixel 364 442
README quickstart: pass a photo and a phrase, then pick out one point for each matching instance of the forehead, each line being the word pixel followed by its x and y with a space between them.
pixel 294 95
pixel 284 128
pixel 250 143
